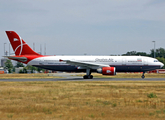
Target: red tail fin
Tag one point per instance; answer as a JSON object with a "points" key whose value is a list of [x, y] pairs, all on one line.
{"points": [[20, 47]]}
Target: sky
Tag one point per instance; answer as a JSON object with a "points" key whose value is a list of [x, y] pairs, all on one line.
{"points": [[78, 27]]}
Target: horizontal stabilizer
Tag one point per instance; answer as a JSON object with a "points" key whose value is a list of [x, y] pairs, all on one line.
{"points": [[22, 59]]}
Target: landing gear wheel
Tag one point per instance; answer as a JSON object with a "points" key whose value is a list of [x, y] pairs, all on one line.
{"points": [[143, 76], [88, 76], [85, 76], [91, 76]]}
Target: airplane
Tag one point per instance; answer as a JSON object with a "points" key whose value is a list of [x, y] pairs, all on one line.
{"points": [[106, 65]]}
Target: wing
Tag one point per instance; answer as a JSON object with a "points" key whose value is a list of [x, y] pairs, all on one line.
{"points": [[84, 65]]}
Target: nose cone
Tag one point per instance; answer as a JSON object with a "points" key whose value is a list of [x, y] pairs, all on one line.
{"points": [[161, 65]]}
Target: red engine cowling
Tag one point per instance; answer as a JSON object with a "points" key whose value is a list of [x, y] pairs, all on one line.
{"points": [[107, 70]]}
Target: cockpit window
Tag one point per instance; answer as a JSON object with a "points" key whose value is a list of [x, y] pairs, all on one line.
{"points": [[156, 61]]}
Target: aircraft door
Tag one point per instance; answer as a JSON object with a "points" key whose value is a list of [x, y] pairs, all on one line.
{"points": [[145, 61], [123, 61]]}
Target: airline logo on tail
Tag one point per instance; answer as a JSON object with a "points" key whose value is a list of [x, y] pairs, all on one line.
{"points": [[21, 45], [15, 39]]}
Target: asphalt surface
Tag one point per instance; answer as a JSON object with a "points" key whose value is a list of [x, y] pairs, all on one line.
{"points": [[81, 79], [74, 77]]}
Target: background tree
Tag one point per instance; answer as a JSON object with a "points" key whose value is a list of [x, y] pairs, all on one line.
{"points": [[131, 53], [24, 70], [13, 69], [32, 68], [19, 64], [160, 52], [9, 65], [40, 70], [142, 54]]}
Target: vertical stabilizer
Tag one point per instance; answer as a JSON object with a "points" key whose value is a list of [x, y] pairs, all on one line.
{"points": [[19, 46]]}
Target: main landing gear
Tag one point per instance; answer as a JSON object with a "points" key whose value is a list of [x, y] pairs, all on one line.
{"points": [[88, 75], [143, 75]]}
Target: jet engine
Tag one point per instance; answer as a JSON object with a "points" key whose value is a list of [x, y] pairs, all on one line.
{"points": [[107, 70]]}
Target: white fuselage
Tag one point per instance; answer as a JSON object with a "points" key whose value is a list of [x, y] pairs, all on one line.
{"points": [[121, 63]]}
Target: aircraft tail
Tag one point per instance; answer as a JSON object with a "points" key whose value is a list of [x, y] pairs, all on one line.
{"points": [[19, 46]]}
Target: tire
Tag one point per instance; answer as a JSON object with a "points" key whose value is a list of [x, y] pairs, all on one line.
{"points": [[143, 76], [88, 76]]}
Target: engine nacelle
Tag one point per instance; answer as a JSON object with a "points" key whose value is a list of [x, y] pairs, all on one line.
{"points": [[107, 70]]}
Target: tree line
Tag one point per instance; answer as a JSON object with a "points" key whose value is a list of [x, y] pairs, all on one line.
{"points": [[9, 66]]}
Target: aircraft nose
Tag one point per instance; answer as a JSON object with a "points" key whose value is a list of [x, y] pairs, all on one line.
{"points": [[161, 65]]}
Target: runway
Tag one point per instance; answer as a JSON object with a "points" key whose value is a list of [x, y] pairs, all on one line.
{"points": [[81, 79]]}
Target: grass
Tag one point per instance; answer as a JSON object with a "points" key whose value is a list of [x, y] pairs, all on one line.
{"points": [[77, 100]]}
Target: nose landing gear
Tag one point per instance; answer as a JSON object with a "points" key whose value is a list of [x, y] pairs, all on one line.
{"points": [[143, 75]]}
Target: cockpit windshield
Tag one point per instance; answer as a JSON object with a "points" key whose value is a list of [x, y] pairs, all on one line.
{"points": [[156, 61]]}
